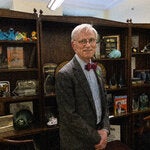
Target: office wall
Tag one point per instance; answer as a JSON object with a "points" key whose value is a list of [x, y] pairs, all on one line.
{"points": [[29, 5]]}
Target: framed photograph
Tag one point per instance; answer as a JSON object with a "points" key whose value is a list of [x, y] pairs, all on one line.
{"points": [[15, 107], [115, 133], [112, 42], [15, 57], [4, 88], [120, 104]]}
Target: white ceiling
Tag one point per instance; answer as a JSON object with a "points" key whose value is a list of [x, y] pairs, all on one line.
{"points": [[89, 4], [92, 4]]}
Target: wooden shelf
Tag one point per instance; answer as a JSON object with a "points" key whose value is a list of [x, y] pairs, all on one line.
{"points": [[26, 132]]}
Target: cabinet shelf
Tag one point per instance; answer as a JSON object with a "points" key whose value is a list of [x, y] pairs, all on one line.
{"points": [[141, 111], [17, 42], [33, 131], [19, 70], [18, 98], [141, 85], [116, 89], [138, 54]]}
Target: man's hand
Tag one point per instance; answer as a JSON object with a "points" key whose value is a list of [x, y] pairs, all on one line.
{"points": [[103, 142]]}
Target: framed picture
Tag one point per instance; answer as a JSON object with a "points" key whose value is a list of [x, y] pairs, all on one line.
{"points": [[112, 42], [15, 107], [4, 88], [15, 57]]}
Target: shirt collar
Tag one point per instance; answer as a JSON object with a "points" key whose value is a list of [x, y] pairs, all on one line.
{"points": [[81, 62]]}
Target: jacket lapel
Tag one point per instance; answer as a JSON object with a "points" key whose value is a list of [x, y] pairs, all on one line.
{"points": [[79, 74]]}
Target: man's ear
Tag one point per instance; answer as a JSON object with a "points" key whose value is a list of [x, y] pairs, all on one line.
{"points": [[73, 46]]}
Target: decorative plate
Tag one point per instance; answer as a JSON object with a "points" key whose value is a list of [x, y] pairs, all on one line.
{"points": [[103, 69], [60, 66]]}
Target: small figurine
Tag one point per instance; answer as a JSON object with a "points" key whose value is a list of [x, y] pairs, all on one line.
{"points": [[114, 54], [11, 34], [3, 35], [19, 36], [34, 35], [25, 38]]}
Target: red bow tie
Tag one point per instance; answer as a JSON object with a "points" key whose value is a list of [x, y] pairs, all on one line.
{"points": [[91, 66]]}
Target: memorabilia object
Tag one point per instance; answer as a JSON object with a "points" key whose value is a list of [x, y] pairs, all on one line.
{"points": [[60, 66], [4, 88], [114, 53], [22, 119], [112, 42], [135, 43], [15, 107], [102, 69], [32, 58], [143, 101], [52, 121], [113, 82], [147, 76], [120, 104], [142, 74], [146, 48], [102, 48], [33, 35], [50, 116], [49, 78], [110, 102], [25, 88], [115, 133], [15, 57], [135, 104]]}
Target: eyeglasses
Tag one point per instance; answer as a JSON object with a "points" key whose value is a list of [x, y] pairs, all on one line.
{"points": [[85, 41]]}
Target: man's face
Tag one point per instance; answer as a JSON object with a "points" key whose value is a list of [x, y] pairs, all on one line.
{"points": [[84, 45]]}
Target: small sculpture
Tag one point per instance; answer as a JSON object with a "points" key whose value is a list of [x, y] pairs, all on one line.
{"points": [[34, 35], [11, 34], [19, 36], [114, 54]]}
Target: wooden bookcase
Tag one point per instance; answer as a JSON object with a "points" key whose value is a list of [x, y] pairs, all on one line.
{"points": [[140, 68], [14, 21], [56, 48]]}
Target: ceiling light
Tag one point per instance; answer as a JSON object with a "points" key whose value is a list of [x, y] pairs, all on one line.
{"points": [[54, 4]]}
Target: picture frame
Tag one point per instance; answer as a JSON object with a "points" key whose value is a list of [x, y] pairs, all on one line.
{"points": [[112, 42], [4, 88], [15, 107], [15, 57]]}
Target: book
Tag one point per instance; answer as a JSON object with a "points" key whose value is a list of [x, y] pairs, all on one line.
{"points": [[15, 57], [120, 104]]}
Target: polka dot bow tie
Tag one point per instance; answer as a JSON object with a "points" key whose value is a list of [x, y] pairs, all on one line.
{"points": [[91, 66]]}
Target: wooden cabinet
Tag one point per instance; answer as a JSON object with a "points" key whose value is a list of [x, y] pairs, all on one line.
{"points": [[140, 79], [55, 37], [24, 69]]}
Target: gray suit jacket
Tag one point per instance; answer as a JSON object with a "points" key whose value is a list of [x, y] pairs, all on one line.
{"points": [[77, 114]]}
